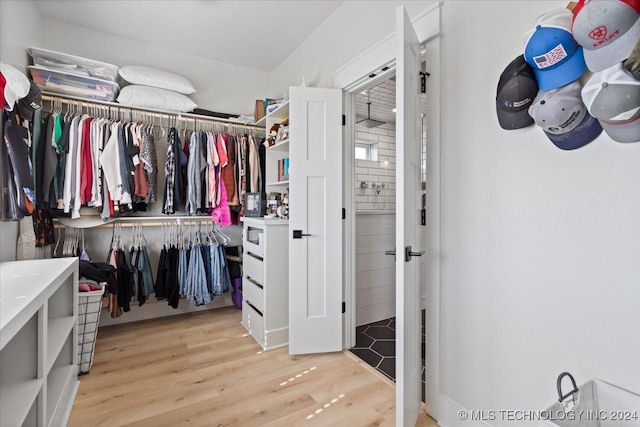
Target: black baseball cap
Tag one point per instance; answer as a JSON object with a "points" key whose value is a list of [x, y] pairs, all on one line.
{"points": [[517, 88], [30, 103]]}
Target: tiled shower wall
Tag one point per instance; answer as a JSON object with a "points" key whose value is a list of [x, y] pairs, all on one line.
{"points": [[381, 171]]}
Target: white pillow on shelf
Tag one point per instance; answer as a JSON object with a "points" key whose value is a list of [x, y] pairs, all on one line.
{"points": [[155, 98], [148, 76]]}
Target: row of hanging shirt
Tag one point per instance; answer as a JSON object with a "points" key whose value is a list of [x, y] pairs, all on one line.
{"points": [[191, 265], [210, 172], [79, 156]]}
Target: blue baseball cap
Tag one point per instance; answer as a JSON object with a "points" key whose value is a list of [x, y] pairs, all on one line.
{"points": [[556, 58]]}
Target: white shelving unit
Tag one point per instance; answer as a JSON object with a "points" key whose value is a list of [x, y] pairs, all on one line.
{"points": [[38, 341], [265, 281], [276, 152]]}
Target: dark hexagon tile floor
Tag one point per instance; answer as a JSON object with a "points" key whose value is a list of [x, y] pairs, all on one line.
{"points": [[376, 345]]}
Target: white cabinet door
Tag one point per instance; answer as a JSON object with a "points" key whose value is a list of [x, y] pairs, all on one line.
{"points": [[315, 216], [408, 315]]}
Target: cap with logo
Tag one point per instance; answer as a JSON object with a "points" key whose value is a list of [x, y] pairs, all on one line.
{"points": [[16, 87], [516, 89], [552, 52], [30, 103], [564, 118], [607, 30], [613, 97]]}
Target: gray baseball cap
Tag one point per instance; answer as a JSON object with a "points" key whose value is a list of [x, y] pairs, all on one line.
{"points": [[607, 30], [564, 118], [613, 97]]}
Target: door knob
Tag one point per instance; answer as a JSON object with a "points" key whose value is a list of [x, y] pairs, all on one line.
{"points": [[298, 234], [391, 252], [408, 253]]}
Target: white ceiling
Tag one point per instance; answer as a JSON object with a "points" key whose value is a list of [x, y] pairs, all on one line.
{"points": [[383, 101], [257, 34]]}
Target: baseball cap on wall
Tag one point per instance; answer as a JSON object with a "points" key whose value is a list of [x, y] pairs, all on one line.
{"points": [[516, 89], [30, 103], [16, 87], [552, 52], [613, 97], [564, 118], [607, 30]]}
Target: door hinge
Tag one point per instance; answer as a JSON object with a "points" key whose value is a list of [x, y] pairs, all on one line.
{"points": [[344, 120], [344, 213], [344, 307], [423, 81]]}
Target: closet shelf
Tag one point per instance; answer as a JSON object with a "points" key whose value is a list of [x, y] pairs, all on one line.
{"points": [[282, 145], [114, 106], [279, 183], [278, 114]]}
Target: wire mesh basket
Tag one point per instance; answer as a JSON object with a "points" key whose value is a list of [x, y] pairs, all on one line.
{"points": [[89, 308]]}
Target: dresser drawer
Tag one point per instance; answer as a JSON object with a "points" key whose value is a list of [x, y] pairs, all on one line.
{"points": [[254, 241], [255, 322], [253, 267], [254, 293]]}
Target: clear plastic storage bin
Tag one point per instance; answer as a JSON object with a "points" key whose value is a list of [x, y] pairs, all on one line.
{"points": [[73, 64], [50, 80]]}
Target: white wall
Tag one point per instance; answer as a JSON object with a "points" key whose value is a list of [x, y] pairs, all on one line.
{"points": [[20, 27], [354, 27], [220, 86], [381, 171], [539, 246], [375, 271]]}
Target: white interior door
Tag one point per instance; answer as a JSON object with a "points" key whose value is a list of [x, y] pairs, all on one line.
{"points": [[408, 241], [315, 220]]}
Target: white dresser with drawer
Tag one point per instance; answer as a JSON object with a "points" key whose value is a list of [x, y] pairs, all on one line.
{"points": [[265, 281]]}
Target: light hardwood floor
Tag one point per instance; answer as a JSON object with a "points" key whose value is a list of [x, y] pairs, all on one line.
{"points": [[202, 369]]}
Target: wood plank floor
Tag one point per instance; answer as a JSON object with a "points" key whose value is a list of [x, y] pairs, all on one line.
{"points": [[202, 369]]}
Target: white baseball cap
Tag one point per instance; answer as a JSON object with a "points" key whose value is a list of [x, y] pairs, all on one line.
{"points": [[17, 86], [613, 97], [564, 118]]}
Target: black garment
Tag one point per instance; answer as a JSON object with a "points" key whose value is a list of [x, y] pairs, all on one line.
{"points": [[43, 227], [125, 281], [62, 158], [49, 165], [247, 168], [100, 272], [262, 155], [18, 145], [173, 294], [160, 286]]}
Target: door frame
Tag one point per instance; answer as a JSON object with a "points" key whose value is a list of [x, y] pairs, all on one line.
{"points": [[366, 70]]}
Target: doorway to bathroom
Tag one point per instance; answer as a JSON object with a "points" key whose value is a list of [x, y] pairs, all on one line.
{"points": [[374, 160]]}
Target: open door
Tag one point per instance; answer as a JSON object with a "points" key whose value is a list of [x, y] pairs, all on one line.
{"points": [[408, 232], [315, 220]]}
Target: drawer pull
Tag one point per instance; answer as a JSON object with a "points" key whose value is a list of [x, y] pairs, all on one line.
{"points": [[255, 256], [254, 282], [252, 306]]}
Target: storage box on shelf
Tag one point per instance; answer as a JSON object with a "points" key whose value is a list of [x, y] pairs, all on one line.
{"points": [[38, 341], [64, 82], [73, 64], [265, 281]]}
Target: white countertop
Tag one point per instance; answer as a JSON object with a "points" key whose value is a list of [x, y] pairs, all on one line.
{"points": [[23, 282]]}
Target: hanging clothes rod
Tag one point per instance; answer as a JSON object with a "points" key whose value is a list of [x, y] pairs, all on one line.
{"points": [[120, 110], [150, 221]]}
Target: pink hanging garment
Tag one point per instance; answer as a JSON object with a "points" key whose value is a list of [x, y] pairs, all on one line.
{"points": [[221, 213]]}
